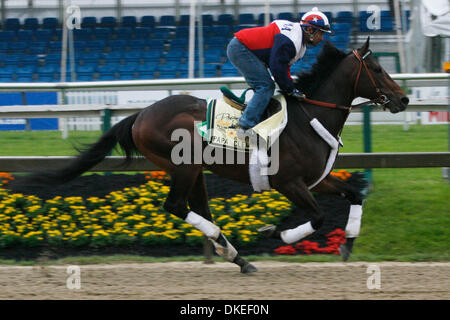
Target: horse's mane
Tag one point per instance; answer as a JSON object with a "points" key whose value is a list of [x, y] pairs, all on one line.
{"points": [[327, 61]]}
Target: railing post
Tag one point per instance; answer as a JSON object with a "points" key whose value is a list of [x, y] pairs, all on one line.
{"points": [[367, 137]]}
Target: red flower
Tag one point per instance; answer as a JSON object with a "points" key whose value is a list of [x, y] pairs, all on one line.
{"points": [[285, 250]]}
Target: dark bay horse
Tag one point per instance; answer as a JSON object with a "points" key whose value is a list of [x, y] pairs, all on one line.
{"points": [[336, 79]]}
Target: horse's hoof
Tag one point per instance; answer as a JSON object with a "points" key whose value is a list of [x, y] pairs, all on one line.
{"points": [[267, 231], [248, 268], [346, 248]]}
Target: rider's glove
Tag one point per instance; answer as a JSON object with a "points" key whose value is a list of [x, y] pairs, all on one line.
{"points": [[297, 94]]}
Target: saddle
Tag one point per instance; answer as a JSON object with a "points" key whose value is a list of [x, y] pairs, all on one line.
{"points": [[222, 117]]}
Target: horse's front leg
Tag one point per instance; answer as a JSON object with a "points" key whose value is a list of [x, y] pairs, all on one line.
{"points": [[298, 193], [198, 203], [333, 185]]}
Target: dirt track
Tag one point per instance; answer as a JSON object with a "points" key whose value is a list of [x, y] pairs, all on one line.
{"points": [[195, 280]]}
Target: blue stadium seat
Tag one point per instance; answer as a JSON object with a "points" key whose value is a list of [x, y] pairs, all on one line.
{"points": [[286, 16], [147, 67], [153, 55], [174, 55], [261, 18], [128, 70], [156, 44], [124, 33], [80, 45], [18, 47], [89, 22], [13, 59], [341, 28], [132, 56], [210, 70], [247, 19], [108, 22], [24, 35], [108, 68], [106, 77], [53, 58], [43, 35], [182, 32], [148, 21], [47, 71], [86, 69], [84, 34], [138, 44], [85, 77], [3, 48], [213, 56], [167, 21], [221, 31], [228, 70], [7, 70], [38, 49], [179, 43], [102, 33], [30, 60], [184, 20], [50, 23], [90, 57], [225, 19], [112, 56], [119, 44], [55, 47], [31, 24], [344, 17], [207, 20], [162, 33], [216, 42], [143, 32], [25, 71], [12, 24], [7, 36], [129, 21]]}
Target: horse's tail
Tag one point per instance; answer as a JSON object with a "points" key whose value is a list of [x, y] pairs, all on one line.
{"points": [[93, 154]]}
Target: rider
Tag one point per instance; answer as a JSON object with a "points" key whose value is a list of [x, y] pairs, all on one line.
{"points": [[276, 46]]}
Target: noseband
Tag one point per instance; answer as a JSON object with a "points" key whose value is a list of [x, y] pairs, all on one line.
{"points": [[382, 99]]}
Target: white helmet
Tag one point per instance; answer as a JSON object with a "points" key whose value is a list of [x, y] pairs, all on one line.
{"points": [[316, 19]]}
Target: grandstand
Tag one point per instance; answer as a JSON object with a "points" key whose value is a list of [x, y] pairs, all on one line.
{"points": [[146, 47]]}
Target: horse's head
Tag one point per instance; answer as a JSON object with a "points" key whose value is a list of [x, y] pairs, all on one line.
{"points": [[373, 82]]}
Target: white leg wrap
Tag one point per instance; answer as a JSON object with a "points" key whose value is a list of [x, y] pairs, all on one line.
{"points": [[354, 221], [207, 227], [293, 235], [228, 253]]}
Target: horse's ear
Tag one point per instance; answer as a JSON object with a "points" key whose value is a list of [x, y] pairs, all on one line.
{"points": [[365, 47]]}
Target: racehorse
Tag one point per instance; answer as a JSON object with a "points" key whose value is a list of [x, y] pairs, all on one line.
{"points": [[331, 86]]}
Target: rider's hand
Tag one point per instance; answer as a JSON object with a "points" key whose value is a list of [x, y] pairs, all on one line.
{"points": [[297, 94]]}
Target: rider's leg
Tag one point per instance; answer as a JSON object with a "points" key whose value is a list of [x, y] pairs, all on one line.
{"points": [[258, 78]]}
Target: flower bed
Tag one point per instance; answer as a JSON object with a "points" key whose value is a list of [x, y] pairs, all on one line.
{"points": [[132, 215]]}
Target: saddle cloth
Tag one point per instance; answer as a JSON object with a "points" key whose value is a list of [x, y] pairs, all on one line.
{"points": [[221, 124]]}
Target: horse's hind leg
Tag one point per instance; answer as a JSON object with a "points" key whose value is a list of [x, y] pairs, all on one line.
{"points": [[333, 185], [188, 185]]}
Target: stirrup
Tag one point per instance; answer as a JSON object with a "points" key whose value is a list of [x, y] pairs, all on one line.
{"points": [[233, 100]]}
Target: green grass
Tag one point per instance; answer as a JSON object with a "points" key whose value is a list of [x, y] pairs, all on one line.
{"points": [[406, 214]]}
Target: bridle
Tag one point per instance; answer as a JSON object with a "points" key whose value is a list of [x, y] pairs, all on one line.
{"points": [[382, 99]]}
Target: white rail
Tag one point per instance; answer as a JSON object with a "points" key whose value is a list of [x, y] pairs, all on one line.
{"points": [[192, 84]]}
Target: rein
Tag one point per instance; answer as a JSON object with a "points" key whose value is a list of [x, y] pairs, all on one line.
{"points": [[381, 100]]}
